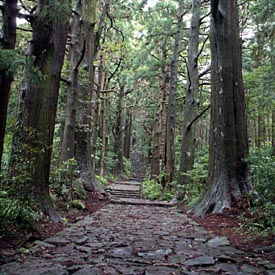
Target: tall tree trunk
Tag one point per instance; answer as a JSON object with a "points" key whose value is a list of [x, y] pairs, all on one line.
{"points": [[273, 132], [128, 132], [159, 136], [86, 135], [67, 150], [119, 133], [190, 110], [33, 142], [7, 42], [83, 150], [228, 178], [171, 117]]}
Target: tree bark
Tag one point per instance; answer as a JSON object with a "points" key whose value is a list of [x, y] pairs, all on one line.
{"points": [[7, 42], [68, 141], [159, 137], [273, 132], [228, 179], [190, 109], [33, 142], [171, 112], [119, 133], [83, 149], [128, 132]]}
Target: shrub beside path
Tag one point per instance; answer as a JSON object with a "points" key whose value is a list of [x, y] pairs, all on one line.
{"points": [[136, 238]]}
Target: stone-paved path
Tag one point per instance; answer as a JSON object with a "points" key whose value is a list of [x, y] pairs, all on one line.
{"points": [[137, 240]]}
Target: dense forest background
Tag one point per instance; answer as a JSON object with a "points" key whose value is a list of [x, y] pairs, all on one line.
{"points": [[90, 87]]}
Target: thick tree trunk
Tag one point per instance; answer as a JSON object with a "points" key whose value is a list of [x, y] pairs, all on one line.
{"points": [[83, 149], [190, 110], [7, 42], [33, 142], [228, 134], [67, 150]]}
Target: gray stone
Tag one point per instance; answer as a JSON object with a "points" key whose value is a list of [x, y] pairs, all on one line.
{"points": [[252, 269], [89, 271], [227, 267], [200, 261], [270, 266], [269, 272], [218, 241], [58, 240], [58, 271], [82, 240], [43, 244]]}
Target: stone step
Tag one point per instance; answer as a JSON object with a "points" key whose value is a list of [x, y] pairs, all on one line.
{"points": [[141, 202]]}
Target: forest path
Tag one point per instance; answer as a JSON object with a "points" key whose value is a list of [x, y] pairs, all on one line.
{"points": [[129, 192], [136, 240]]}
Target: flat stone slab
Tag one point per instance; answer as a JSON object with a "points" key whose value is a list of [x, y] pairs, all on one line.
{"points": [[200, 261], [218, 241], [124, 187], [129, 201]]}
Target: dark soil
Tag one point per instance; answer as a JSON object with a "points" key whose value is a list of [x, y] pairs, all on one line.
{"points": [[229, 224]]}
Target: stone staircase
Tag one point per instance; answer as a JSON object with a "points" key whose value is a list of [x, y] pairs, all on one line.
{"points": [[125, 189], [129, 192]]}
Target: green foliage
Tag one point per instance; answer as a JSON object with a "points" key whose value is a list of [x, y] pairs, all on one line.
{"points": [[61, 179], [57, 11], [32, 73], [10, 61], [127, 166], [103, 181], [110, 156], [262, 166], [78, 204], [15, 214], [198, 177], [151, 189]]}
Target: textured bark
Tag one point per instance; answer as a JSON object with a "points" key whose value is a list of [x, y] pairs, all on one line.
{"points": [[190, 109], [119, 133], [87, 122], [104, 135], [228, 134], [67, 150], [33, 142], [171, 111], [7, 42], [128, 137], [104, 117], [159, 136], [96, 91], [83, 149], [273, 133]]}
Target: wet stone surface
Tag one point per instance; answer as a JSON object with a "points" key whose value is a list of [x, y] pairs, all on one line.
{"points": [[137, 240]]}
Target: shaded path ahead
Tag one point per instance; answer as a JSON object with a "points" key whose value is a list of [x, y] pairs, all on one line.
{"points": [[136, 240]]}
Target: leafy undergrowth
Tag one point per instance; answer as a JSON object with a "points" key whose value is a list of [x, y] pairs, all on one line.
{"points": [[45, 228]]}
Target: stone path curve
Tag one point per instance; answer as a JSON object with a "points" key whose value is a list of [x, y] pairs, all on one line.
{"points": [[136, 239]]}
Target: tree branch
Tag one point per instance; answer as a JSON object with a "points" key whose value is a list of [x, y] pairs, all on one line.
{"points": [[188, 127], [205, 71], [81, 57]]}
